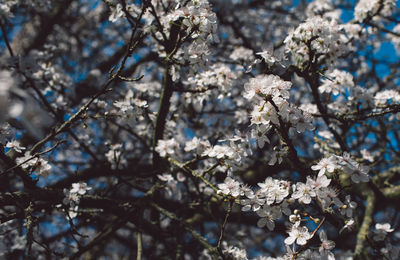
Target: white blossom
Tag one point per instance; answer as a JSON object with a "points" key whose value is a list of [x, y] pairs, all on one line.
{"points": [[298, 234], [14, 144], [381, 231], [229, 187], [166, 147], [326, 246], [325, 165], [268, 215], [304, 193], [347, 207], [80, 188], [349, 225], [116, 12], [365, 8]]}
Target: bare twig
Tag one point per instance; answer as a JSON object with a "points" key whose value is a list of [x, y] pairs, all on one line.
{"points": [[221, 236]]}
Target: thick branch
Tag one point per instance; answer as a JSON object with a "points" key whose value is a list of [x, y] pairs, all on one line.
{"points": [[359, 251]]}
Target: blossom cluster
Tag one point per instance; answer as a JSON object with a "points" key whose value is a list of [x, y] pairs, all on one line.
{"points": [[270, 95], [219, 75], [357, 171], [130, 106], [314, 39], [118, 12], [197, 23], [369, 8], [230, 119], [336, 81], [5, 8], [274, 198], [34, 164]]}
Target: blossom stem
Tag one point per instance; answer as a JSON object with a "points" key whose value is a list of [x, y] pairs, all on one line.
{"points": [[312, 235]]}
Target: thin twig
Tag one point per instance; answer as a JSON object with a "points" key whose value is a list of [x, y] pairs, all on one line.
{"points": [[3, 31], [193, 173], [312, 235], [221, 236], [188, 228]]}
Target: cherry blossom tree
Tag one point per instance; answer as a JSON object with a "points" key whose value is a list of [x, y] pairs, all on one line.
{"points": [[199, 129]]}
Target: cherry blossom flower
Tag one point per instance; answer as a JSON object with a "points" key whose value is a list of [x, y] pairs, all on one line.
{"points": [[172, 187], [298, 234], [357, 172], [304, 122], [116, 13], [5, 8], [276, 194], [73, 196], [253, 202], [229, 187], [295, 219], [166, 147], [381, 231], [242, 53], [73, 211], [114, 156], [367, 155], [273, 190], [347, 207], [319, 183], [326, 246], [268, 215], [14, 144], [309, 255], [349, 225], [327, 196], [79, 188], [197, 145], [325, 165], [267, 56], [260, 134], [219, 75], [304, 193], [290, 252], [125, 106]]}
